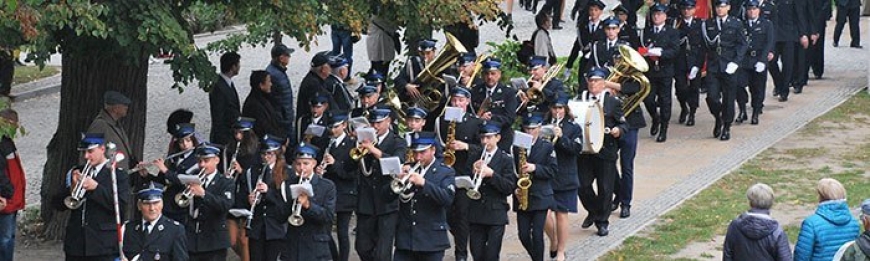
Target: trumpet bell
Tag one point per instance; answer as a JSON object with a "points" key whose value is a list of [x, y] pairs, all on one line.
{"points": [[473, 194], [397, 186], [181, 200], [72, 203], [296, 220], [535, 96], [406, 197], [357, 153]]}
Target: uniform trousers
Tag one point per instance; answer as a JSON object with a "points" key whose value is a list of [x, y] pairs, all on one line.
{"points": [[374, 236], [802, 65], [342, 222], [91, 258], [530, 230], [625, 183], [265, 250], [485, 241], [687, 90], [720, 95], [603, 173], [458, 221], [554, 8], [757, 82], [816, 53], [853, 14], [408, 255], [784, 52], [658, 102], [216, 255]]}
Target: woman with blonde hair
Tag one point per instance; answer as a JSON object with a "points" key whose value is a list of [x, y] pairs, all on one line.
{"points": [[831, 226]]}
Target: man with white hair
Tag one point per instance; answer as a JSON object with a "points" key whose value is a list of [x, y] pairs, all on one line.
{"points": [[755, 235]]}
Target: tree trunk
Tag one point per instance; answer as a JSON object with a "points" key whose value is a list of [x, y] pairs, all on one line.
{"points": [[86, 75]]}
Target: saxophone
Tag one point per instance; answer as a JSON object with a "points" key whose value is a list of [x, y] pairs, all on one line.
{"points": [[525, 181], [449, 154]]}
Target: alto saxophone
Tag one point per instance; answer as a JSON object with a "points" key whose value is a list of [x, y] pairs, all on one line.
{"points": [[524, 183], [449, 154]]}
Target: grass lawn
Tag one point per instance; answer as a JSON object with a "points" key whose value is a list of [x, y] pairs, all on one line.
{"points": [[792, 172], [25, 74]]}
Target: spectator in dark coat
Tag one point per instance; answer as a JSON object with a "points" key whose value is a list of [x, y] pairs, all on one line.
{"points": [[223, 99], [257, 106], [281, 95], [755, 235]]}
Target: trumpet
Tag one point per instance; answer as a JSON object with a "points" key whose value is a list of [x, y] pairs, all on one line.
{"points": [[77, 194], [358, 152], [474, 193], [183, 199], [257, 195], [169, 157], [401, 185], [230, 172], [449, 154], [296, 218], [323, 162], [524, 183]]}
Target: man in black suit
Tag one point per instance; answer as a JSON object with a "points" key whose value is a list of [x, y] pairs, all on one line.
{"points": [[791, 26], [661, 43], [687, 70], [818, 13], [223, 99], [627, 28], [344, 173], [310, 240], [725, 39], [589, 31], [565, 182], [495, 102], [421, 233], [496, 170], [207, 217], [91, 233], [154, 237], [850, 9], [258, 186], [314, 83], [601, 167], [760, 41], [377, 213], [540, 166]]}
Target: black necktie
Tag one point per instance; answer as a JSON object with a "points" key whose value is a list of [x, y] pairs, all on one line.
{"points": [[146, 226]]}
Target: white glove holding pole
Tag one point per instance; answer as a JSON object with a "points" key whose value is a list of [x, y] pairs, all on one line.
{"points": [[693, 73], [759, 67], [655, 51], [731, 68]]}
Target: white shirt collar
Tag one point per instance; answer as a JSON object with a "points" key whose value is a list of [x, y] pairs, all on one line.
{"points": [[99, 167], [381, 138], [209, 178], [228, 79], [151, 224], [339, 139]]}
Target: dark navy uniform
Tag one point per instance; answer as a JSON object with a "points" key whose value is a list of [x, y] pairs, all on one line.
{"points": [[206, 222], [344, 173], [502, 103], [185, 164], [819, 12], [552, 91], [304, 121], [160, 239], [661, 73], [790, 23], [408, 75], [310, 241], [490, 211], [588, 32], [267, 224], [565, 182], [530, 222], [726, 47], [761, 39], [421, 233], [627, 145], [687, 67], [603, 52]]}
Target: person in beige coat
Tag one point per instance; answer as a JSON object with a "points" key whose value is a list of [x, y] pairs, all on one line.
{"points": [[107, 122]]}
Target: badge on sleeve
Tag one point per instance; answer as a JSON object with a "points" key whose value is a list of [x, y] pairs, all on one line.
{"points": [[229, 194]]}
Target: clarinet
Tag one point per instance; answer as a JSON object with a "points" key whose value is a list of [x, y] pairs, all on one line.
{"points": [[257, 196]]}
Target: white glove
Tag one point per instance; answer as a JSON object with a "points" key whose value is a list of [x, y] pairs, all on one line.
{"points": [[655, 51], [759, 67], [693, 73], [566, 74], [731, 68]]}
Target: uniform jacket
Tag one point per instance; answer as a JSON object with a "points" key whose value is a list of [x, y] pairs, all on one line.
{"points": [[375, 196], [208, 231], [223, 100], [541, 191], [311, 240], [413, 66], [114, 133], [669, 40], [823, 232], [503, 105], [551, 91], [584, 40], [166, 241], [601, 55], [691, 45], [628, 33], [281, 98], [466, 131], [756, 236], [267, 222], [790, 20], [635, 119], [492, 207], [760, 39], [613, 118], [344, 173], [567, 149], [303, 123], [422, 222], [729, 47], [180, 165], [91, 229], [269, 118], [860, 250], [311, 85]]}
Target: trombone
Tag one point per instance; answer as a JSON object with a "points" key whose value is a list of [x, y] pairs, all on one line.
{"points": [[76, 197], [183, 199], [536, 96], [474, 192]]}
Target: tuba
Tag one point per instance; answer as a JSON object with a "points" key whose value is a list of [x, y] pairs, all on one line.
{"points": [[428, 77], [632, 65]]}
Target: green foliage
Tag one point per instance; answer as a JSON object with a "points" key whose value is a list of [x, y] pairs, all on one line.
{"points": [[203, 17], [8, 128], [510, 64]]}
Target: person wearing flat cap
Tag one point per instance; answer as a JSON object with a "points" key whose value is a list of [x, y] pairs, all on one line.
{"points": [[407, 85], [314, 83], [692, 48], [281, 92], [725, 40], [344, 173], [223, 100], [859, 249], [108, 122], [258, 186], [206, 219], [492, 101], [659, 46], [91, 233], [154, 236], [337, 83], [541, 166], [377, 214], [421, 232], [309, 241]]}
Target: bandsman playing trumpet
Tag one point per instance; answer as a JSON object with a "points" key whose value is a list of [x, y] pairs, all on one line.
{"points": [[566, 143], [497, 178], [339, 168], [258, 188], [422, 226], [377, 214], [155, 236], [207, 235], [309, 239], [541, 165], [91, 233], [494, 102], [543, 86]]}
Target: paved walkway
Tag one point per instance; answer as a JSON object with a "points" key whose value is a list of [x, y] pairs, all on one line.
{"points": [[666, 175]]}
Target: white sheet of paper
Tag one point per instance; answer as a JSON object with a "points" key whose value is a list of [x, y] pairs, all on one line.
{"points": [[450, 80], [359, 122], [523, 140], [366, 134], [187, 179], [391, 165], [408, 139], [296, 189], [464, 182], [238, 212], [519, 83], [316, 130], [453, 114]]}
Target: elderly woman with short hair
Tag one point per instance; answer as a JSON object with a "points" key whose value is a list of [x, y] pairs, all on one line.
{"points": [[823, 232], [755, 235]]}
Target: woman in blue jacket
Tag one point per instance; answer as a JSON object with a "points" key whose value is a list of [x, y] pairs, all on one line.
{"points": [[823, 232]]}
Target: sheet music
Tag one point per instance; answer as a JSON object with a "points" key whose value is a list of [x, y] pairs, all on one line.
{"points": [[391, 166], [359, 122], [523, 140], [316, 130], [367, 134], [453, 114], [297, 189], [187, 179]]}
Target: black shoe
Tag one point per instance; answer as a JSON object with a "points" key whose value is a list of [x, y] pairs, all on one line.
{"points": [[654, 128], [741, 116], [726, 133], [690, 121], [587, 222], [836, 44], [553, 254], [702, 90], [459, 258], [663, 134], [557, 27], [783, 99], [625, 212], [775, 94], [798, 89], [857, 46], [754, 120], [717, 128], [602, 230], [683, 114], [614, 206]]}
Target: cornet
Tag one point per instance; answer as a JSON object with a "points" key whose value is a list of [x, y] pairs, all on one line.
{"points": [[76, 197], [403, 187], [183, 199], [474, 193], [358, 152]]}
